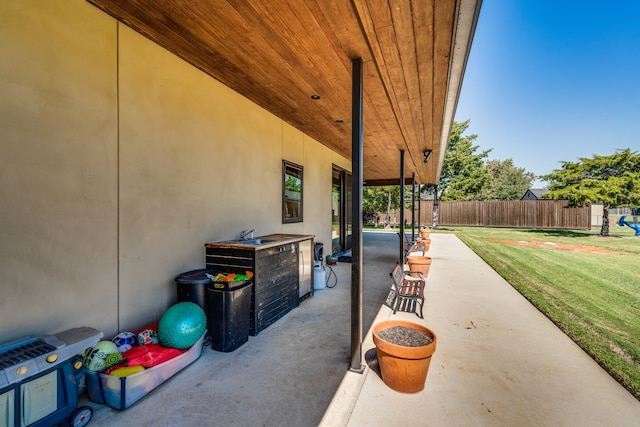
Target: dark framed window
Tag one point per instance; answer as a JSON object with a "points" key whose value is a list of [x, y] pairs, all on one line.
{"points": [[291, 192]]}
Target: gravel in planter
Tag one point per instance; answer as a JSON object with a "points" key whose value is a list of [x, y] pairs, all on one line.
{"points": [[405, 336]]}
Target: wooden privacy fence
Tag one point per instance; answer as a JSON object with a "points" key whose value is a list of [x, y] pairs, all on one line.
{"points": [[515, 214]]}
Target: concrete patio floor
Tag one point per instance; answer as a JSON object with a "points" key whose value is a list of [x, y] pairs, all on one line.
{"points": [[498, 362]]}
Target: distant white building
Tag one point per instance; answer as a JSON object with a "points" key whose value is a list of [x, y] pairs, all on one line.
{"points": [[597, 212]]}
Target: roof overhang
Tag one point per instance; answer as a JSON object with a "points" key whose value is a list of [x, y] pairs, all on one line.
{"points": [[281, 53]]}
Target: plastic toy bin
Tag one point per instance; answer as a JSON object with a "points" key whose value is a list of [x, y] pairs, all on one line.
{"points": [[122, 392]]}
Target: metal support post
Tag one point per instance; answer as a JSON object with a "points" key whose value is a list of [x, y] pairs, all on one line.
{"points": [[413, 207], [401, 207], [357, 144]]}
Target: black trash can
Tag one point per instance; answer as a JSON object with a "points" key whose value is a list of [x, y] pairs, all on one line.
{"points": [[192, 286], [228, 315]]}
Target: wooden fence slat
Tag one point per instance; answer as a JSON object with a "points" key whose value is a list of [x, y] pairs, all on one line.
{"points": [[551, 214]]}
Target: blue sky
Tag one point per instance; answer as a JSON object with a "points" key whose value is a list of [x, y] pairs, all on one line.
{"points": [[553, 80]]}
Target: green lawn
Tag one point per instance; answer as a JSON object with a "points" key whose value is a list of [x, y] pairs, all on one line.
{"points": [[593, 297]]}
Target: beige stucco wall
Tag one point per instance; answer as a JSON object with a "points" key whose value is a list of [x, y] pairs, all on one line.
{"points": [[118, 161]]}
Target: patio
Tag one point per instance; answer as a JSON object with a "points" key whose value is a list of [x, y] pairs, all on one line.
{"points": [[498, 362]]}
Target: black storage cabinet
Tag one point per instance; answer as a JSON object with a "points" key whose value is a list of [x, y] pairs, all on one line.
{"points": [[275, 279], [228, 314]]}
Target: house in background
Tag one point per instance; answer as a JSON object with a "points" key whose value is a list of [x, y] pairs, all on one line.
{"points": [[132, 133], [534, 194]]}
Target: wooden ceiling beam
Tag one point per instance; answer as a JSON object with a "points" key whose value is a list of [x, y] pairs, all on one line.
{"points": [[386, 182]]}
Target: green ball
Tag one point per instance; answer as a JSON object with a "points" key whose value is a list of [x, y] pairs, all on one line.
{"points": [[96, 357], [182, 325]]}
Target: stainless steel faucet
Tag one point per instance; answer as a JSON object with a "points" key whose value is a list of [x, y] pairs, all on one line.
{"points": [[243, 235]]}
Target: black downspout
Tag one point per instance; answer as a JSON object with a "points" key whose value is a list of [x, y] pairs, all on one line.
{"points": [[356, 217], [401, 207]]}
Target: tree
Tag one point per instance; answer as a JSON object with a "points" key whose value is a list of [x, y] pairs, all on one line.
{"points": [[380, 199], [506, 182], [612, 180], [464, 173], [376, 200]]}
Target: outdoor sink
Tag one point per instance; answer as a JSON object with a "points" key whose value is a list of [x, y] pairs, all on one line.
{"points": [[253, 241]]}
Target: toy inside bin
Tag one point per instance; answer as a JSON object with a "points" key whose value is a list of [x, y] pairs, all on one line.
{"points": [[122, 392]]}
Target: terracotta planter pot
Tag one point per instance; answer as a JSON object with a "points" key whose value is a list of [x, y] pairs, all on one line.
{"points": [[427, 243], [425, 233], [419, 264], [403, 368]]}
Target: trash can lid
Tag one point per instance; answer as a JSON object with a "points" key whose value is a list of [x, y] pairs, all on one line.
{"points": [[196, 277]]}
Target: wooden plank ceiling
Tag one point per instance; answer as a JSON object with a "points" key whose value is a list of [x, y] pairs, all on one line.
{"points": [[279, 53]]}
